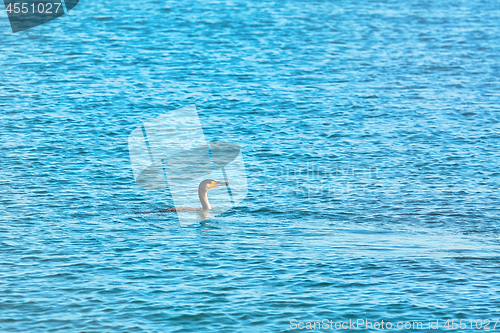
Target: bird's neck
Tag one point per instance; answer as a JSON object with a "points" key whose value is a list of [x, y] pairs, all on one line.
{"points": [[204, 199]]}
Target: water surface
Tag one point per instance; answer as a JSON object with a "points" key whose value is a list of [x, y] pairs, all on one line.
{"points": [[370, 132]]}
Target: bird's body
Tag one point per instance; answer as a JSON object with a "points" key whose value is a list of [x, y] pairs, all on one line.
{"points": [[181, 210], [202, 194]]}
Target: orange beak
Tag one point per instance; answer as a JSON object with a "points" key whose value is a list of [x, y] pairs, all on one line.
{"points": [[217, 184]]}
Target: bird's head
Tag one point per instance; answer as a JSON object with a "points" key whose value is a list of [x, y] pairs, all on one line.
{"points": [[209, 183]]}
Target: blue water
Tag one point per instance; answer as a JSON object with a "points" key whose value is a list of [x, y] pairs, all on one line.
{"points": [[370, 132]]}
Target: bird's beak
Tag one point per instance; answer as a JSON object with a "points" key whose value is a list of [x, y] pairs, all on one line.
{"points": [[217, 184]]}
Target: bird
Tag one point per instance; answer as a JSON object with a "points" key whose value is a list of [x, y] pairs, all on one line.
{"points": [[203, 188]]}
